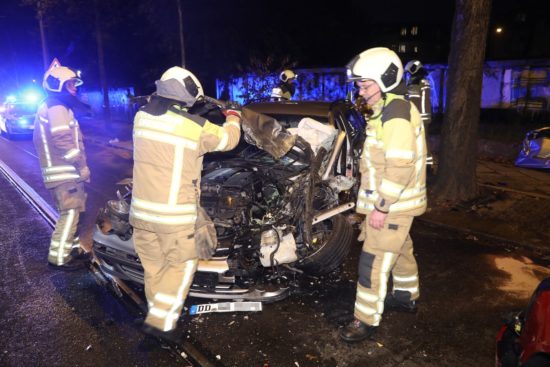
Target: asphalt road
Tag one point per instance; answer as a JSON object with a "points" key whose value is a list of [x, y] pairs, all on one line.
{"points": [[65, 319]]}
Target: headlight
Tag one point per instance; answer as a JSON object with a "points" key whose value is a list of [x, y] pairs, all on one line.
{"points": [[23, 122], [269, 238]]}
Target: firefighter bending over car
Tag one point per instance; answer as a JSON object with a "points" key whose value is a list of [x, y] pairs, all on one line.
{"points": [[392, 192], [58, 142], [169, 144]]}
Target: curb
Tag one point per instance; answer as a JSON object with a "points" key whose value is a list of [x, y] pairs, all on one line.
{"points": [[487, 236]]}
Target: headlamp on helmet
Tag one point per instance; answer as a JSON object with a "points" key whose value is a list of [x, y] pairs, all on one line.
{"points": [[287, 75]]}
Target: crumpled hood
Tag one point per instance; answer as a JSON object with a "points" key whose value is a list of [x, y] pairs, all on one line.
{"points": [[266, 133]]}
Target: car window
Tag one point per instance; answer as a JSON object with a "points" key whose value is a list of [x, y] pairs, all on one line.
{"points": [[288, 121]]}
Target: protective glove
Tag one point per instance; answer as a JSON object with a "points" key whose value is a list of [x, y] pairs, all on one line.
{"points": [[84, 173], [206, 239], [232, 112], [363, 231]]}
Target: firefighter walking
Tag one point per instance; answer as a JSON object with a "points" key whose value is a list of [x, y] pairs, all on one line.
{"points": [[392, 192], [58, 142], [169, 143]]}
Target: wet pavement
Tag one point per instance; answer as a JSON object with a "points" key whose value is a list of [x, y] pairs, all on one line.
{"points": [[469, 277]]}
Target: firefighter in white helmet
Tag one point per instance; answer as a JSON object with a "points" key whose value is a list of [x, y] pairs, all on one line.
{"points": [[392, 192], [169, 145], [287, 86], [58, 142]]}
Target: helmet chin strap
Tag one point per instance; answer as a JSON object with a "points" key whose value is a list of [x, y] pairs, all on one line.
{"points": [[384, 98]]}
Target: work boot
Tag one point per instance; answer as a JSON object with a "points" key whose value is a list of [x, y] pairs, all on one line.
{"points": [[172, 336], [78, 253], [71, 265], [356, 331], [393, 304]]}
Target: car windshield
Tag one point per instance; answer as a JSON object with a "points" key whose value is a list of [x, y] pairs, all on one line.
{"points": [[21, 108]]}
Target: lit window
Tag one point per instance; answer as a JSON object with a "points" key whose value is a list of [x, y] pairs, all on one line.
{"points": [[402, 48], [414, 30], [403, 31], [416, 49]]}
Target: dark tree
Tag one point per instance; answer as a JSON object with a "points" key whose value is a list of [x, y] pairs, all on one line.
{"points": [[456, 176]]}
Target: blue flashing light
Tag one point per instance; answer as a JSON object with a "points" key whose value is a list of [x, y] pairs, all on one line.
{"points": [[32, 96], [23, 122]]}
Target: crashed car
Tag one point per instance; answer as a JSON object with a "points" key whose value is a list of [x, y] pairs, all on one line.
{"points": [[535, 150], [524, 340], [277, 203], [17, 118]]}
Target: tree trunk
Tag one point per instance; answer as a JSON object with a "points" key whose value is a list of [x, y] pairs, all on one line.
{"points": [[45, 56], [456, 174], [101, 64], [182, 44]]}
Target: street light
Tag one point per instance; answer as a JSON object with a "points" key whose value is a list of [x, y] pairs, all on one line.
{"points": [[498, 30]]}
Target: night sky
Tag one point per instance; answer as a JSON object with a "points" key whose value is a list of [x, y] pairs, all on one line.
{"points": [[221, 37]]}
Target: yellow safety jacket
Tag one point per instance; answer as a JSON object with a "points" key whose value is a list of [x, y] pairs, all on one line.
{"points": [[393, 161], [58, 142], [168, 153]]}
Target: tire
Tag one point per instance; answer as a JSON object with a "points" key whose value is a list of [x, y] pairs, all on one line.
{"points": [[329, 255], [538, 360]]}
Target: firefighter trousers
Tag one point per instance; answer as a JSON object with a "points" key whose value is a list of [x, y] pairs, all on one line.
{"points": [[70, 200], [169, 261], [387, 251]]}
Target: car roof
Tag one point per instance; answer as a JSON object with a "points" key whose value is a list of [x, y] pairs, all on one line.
{"points": [[299, 108]]}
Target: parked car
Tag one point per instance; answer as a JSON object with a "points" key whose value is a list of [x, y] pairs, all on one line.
{"points": [[535, 150], [524, 341], [17, 118], [277, 210]]}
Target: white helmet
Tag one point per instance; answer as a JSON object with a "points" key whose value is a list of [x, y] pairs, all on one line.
{"points": [[286, 75], [379, 64], [56, 76], [181, 85], [413, 66]]}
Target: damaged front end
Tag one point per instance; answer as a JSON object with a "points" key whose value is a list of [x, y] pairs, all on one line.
{"points": [[277, 206]]}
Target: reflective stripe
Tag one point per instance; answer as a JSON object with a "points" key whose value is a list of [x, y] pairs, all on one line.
{"points": [[411, 290], [157, 312], [65, 234], [163, 219], [165, 138], [391, 188], [165, 298], [58, 169], [176, 175], [403, 154], [367, 296], [59, 128], [233, 123], [365, 309], [188, 273], [43, 119], [61, 177], [45, 145], [405, 279], [158, 124], [163, 208], [395, 207], [72, 153], [223, 142]]}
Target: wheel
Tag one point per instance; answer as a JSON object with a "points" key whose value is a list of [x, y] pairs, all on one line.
{"points": [[331, 239]]}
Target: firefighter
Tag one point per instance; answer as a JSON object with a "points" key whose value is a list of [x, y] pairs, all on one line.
{"points": [[287, 86], [58, 141], [169, 144], [419, 93], [392, 192]]}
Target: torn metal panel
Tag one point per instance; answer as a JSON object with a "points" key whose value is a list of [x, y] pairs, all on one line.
{"points": [[266, 133]]}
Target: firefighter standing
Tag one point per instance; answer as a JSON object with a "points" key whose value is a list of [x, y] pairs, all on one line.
{"points": [[419, 93], [169, 144], [287, 86], [58, 142], [392, 192]]}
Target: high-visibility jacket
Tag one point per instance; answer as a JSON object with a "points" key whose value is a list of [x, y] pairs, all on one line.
{"points": [[419, 92], [168, 153], [58, 142], [393, 160]]}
